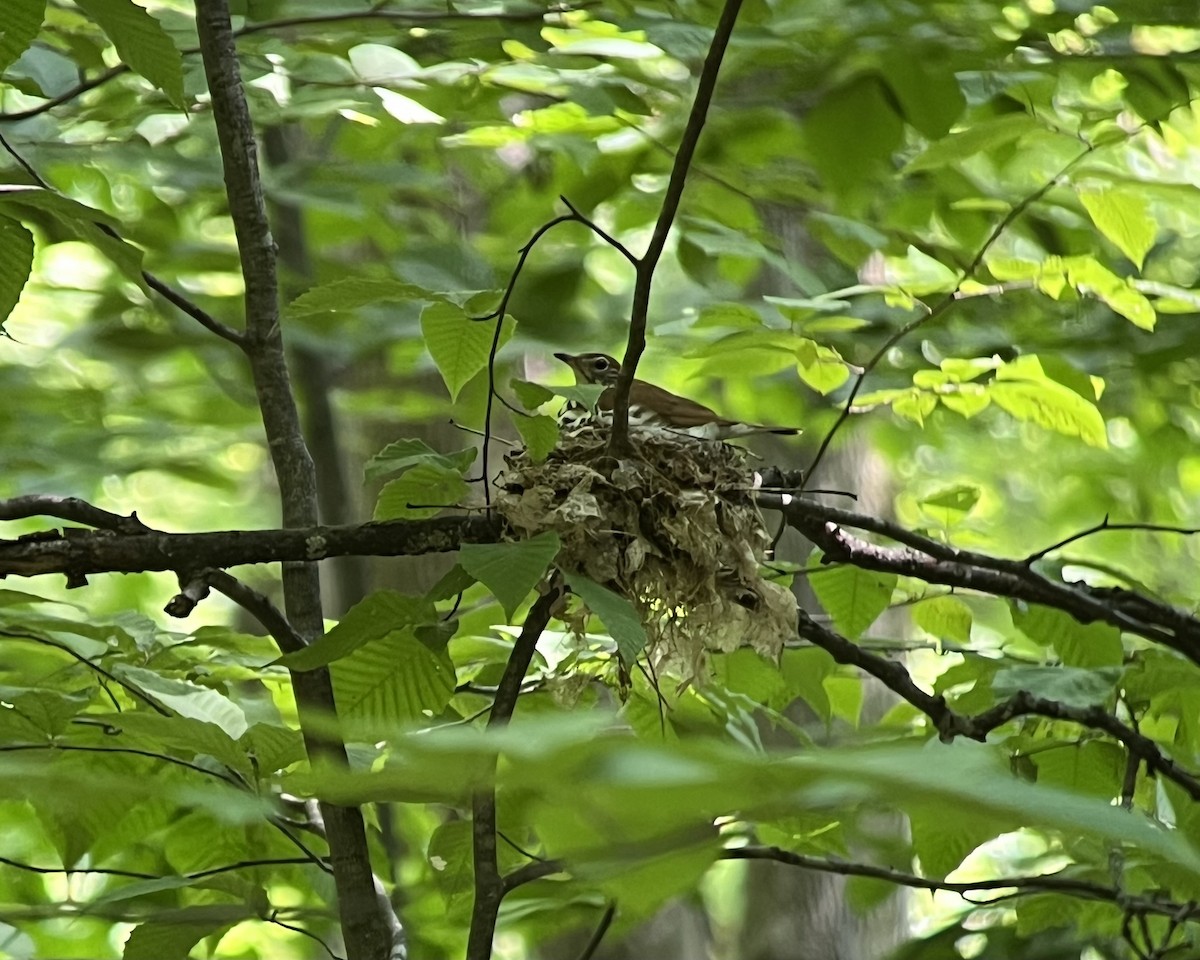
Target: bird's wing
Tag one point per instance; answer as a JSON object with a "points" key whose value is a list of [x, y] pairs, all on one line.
{"points": [[684, 412]]}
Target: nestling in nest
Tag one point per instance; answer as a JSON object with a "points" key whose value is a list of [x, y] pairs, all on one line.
{"points": [[673, 529]]}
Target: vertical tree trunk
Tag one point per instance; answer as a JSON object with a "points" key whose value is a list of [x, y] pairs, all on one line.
{"points": [[367, 934]]}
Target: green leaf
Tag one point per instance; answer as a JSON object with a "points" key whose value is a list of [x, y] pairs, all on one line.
{"points": [[1123, 216], [391, 681], [531, 395], [401, 455], [20, 196], [377, 615], [1072, 686], [586, 394], [351, 293], [1089, 277], [804, 671], [16, 260], [420, 492], [21, 23], [80, 220], [620, 617], [973, 776], [583, 42], [187, 699], [172, 935], [947, 618], [540, 435], [950, 505], [1077, 644], [141, 43], [853, 597], [852, 131], [943, 837], [821, 367], [1052, 406], [1092, 768], [977, 138], [510, 570], [460, 346], [728, 315], [453, 582], [927, 90], [180, 736]]}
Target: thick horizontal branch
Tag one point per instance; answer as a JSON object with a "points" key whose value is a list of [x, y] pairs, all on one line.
{"points": [[950, 724], [78, 553], [935, 562]]}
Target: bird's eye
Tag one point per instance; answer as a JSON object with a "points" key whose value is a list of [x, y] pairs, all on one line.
{"points": [[601, 363]]}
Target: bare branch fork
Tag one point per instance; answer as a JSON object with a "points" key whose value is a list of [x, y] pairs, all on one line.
{"points": [[645, 265]]}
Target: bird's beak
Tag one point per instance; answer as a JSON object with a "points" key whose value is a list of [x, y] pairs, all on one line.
{"points": [[572, 362]]}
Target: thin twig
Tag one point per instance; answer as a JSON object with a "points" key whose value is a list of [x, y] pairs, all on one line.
{"points": [[606, 919], [947, 301], [646, 265], [1104, 526], [375, 13]]}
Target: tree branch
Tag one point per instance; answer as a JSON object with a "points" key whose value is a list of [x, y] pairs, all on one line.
{"points": [[1049, 883], [950, 724], [367, 933], [648, 262], [944, 304], [79, 553], [490, 887], [935, 562]]}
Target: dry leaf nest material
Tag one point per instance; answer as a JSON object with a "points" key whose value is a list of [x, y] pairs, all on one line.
{"points": [[674, 529]]}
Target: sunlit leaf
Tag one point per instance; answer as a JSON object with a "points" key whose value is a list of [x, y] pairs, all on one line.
{"points": [[1123, 216], [945, 617], [350, 293], [1050, 405], [950, 505], [188, 699]]}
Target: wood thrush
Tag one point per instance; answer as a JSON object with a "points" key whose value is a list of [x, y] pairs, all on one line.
{"points": [[656, 408]]}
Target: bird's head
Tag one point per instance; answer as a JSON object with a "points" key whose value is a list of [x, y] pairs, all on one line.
{"points": [[592, 367]]}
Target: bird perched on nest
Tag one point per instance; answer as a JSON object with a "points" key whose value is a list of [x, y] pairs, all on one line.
{"points": [[656, 408]]}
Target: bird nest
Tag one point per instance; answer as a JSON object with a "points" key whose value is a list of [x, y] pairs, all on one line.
{"points": [[674, 529]]}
